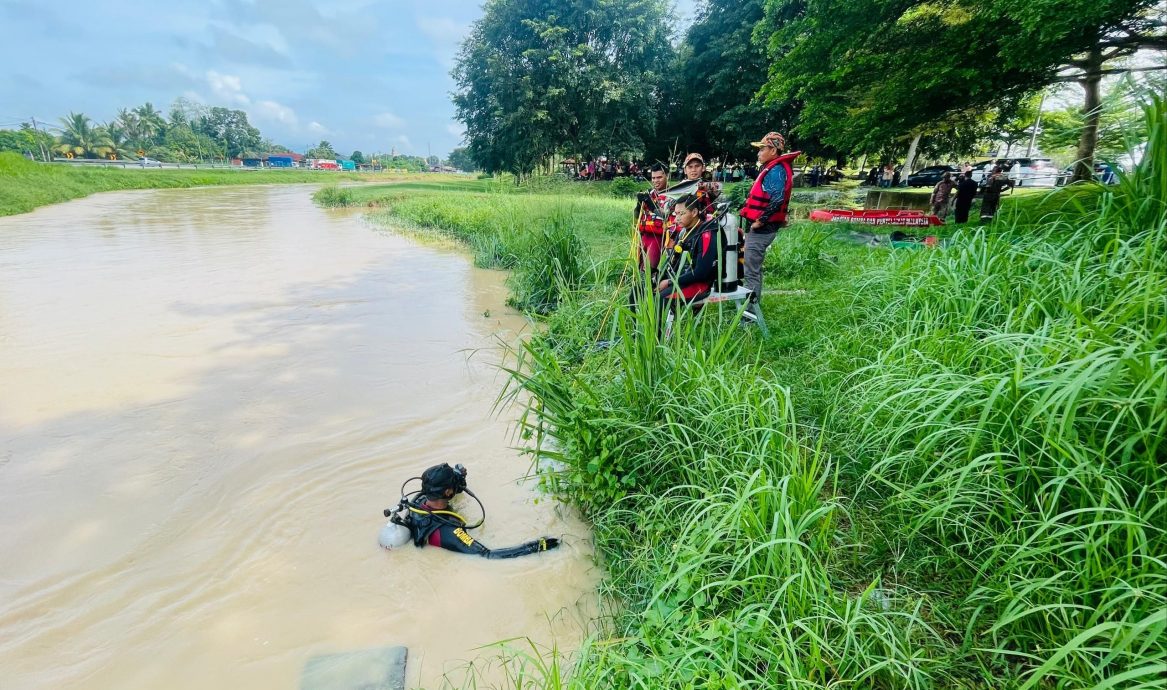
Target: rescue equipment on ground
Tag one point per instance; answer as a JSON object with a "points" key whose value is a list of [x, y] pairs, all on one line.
{"points": [[903, 218]]}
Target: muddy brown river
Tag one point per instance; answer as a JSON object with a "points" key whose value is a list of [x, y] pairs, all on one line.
{"points": [[206, 399]]}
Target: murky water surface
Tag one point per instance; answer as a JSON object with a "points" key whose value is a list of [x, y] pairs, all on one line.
{"points": [[206, 399]]}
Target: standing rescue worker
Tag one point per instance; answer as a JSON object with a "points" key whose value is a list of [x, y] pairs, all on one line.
{"points": [[966, 191], [707, 192], [651, 209], [766, 205]]}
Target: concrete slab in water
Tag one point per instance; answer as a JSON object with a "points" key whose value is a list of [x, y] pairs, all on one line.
{"points": [[382, 668]]}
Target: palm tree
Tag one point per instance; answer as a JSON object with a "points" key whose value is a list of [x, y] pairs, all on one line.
{"points": [[120, 140], [80, 138], [150, 122]]}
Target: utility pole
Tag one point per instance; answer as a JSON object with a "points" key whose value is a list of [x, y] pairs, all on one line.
{"points": [[1036, 125], [39, 143]]}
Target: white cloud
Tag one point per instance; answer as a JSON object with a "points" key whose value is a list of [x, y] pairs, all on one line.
{"points": [[275, 111], [317, 128], [405, 142], [456, 129], [445, 34], [389, 121], [227, 87]]}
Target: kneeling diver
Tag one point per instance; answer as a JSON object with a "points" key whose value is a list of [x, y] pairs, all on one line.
{"points": [[424, 517]]}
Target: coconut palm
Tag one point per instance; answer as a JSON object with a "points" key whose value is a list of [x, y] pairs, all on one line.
{"points": [[120, 141], [80, 138], [151, 124]]}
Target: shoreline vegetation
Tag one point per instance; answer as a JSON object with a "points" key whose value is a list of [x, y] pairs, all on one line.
{"points": [[944, 468], [27, 185]]}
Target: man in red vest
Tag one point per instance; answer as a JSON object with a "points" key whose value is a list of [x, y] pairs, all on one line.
{"points": [[766, 206], [650, 220]]}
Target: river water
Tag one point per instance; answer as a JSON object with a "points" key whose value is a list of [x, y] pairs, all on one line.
{"points": [[206, 399]]}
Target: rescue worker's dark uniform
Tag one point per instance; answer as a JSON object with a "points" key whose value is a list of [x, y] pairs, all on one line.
{"points": [[966, 191], [693, 264], [446, 529]]}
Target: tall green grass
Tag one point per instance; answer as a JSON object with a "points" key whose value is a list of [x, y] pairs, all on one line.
{"points": [[982, 503], [1013, 432], [716, 519]]}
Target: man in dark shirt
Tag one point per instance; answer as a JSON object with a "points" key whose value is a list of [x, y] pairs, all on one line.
{"points": [[966, 191]]}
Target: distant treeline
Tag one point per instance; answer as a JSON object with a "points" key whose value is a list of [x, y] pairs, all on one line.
{"points": [[189, 133]]}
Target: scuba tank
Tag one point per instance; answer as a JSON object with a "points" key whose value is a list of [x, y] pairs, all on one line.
{"points": [[394, 535], [731, 233]]}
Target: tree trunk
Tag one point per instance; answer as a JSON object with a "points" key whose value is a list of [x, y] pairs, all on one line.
{"points": [[909, 161], [1091, 112]]}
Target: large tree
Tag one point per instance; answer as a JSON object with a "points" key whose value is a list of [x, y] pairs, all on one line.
{"points": [[461, 159], [80, 137], [720, 67], [230, 128], [540, 77], [870, 70]]}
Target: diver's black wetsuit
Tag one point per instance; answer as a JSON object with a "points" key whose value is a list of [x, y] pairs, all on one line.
{"points": [[445, 528]]}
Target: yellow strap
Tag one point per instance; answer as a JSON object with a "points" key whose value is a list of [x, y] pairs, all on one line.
{"points": [[419, 511]]}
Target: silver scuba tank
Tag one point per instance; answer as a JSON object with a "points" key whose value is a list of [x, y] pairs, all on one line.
{"points": [[394, 536], [730, 232]]}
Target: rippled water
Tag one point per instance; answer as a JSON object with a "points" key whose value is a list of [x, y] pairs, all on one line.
{"points": [[206, 399]]}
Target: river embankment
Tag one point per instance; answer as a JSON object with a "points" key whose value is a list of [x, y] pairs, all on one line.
{"points": [[26, 185], [941, 469]]}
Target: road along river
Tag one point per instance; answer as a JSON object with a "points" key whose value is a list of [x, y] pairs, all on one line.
{"points": [[206, 399]]}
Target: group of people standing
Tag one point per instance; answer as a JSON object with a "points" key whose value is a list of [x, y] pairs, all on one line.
{"points": [[960, 192], [678, 245]]}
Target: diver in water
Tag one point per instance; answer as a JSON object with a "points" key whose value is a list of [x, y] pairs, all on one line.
{"points": [[424, 517]]}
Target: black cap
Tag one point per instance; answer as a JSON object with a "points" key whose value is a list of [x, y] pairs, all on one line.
{"points": [[436, 480]]}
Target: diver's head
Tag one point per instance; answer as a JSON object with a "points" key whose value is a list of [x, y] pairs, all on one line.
{"points": [[442, 482]]}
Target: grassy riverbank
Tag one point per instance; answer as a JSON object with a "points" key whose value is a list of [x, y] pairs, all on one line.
{"points": [[26, 185], [944, 468]]}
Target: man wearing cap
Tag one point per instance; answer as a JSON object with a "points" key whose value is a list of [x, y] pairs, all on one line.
{"points": [[707, 192], [766, 206]]}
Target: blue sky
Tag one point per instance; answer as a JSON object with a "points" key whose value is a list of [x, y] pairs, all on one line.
{"points": [[363, 74]]}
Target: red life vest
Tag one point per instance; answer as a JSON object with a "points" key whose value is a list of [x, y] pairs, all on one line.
{"points": [[759, 199], [652, 223]]}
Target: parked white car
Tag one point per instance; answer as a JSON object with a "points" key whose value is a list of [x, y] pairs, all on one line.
{"points": [[1024, 172]]}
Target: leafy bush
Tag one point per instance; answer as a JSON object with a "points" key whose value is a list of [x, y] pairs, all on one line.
{"points": [[625, 187], [333, 196]]}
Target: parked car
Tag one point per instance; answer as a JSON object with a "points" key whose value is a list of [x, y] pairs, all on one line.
{"points": [[1024, 172], [1103, 172], [929, 176]]}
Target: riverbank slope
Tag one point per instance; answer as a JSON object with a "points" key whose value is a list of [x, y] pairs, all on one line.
{"points": [[26, 185], [941, 469]]}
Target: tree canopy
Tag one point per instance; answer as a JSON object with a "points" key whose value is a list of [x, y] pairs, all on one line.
{"points": [[540, 77]]}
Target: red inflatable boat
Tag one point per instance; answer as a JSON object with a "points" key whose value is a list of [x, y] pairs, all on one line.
{"points": [[912, 219]]}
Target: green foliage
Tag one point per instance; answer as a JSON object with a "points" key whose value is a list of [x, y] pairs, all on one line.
{"points": [[625, 187], [536, 77], [323, 150], [229, 127], [80, 138], [720, 65], [974, 500], [1120, 125], [868, 72], [25, 140], [461, 159], [333, 196]]}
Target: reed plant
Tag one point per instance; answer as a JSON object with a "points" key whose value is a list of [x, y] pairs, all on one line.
{"points": [[1014, 434]]}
